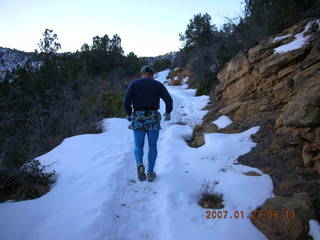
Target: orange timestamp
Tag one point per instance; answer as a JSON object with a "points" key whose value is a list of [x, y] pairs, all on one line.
{"points": [[256, 214]]}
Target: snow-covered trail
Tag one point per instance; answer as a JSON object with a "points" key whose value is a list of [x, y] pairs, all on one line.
{"points": [[97, 196]]}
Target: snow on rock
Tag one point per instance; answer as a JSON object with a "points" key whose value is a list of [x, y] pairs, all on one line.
{"points": [[222, 122], [12, 58], [97, 195], [299, 42], [277, 39], [185, 80], [314, 231]]}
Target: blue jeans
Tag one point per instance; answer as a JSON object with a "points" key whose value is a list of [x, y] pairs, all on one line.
{"points": [[139, 137]]}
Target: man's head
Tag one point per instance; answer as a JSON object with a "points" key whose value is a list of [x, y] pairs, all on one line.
{"points": [[146, 71]]}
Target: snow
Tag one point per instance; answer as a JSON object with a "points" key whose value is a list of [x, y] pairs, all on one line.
{"points": [[222, 122], [162, 76], [300, 40], [314, 231], [277, 39], [97, 196], [185, 80], [11, 58]]}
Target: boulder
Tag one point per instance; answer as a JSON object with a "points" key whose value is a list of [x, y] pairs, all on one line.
{"points": [[293, 218], [197, 138], [180, 75]]}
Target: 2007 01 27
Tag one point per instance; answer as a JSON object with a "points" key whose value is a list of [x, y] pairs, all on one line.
{"points": [[213, 214]]}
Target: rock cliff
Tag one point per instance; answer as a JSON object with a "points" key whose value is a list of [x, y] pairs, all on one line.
{"points": [[276, 85], [280, 76]]}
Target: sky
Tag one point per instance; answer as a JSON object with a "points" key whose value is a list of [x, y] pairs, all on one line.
{"points": [[148, 28]]}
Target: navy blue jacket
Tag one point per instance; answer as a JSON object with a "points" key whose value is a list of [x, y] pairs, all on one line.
{"points": [[146, 92]]}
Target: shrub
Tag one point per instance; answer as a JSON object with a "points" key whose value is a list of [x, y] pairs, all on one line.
{"points": [[30, 181], [207, 84], [210, 199]]}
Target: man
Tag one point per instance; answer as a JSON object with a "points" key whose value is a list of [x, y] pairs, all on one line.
{"points": [[144, 94]]}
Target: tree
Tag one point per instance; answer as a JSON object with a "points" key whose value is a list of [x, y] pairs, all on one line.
{"points": [[85, 47], [272, 16], [198, 32], [112, 46], [132, 63], [115, 45], [49, 43], [100, 43]]}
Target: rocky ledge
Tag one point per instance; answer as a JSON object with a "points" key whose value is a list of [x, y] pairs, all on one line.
{"points": [[276, 85]]}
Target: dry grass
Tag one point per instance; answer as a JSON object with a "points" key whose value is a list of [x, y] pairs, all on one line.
{"points": [[210, 199]]}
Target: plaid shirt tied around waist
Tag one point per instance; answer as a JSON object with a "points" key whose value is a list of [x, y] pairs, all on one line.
{"points": [[145, 120]]}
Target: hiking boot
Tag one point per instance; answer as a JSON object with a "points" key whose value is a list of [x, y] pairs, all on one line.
{"points": [[141, 174], [151, 176]]}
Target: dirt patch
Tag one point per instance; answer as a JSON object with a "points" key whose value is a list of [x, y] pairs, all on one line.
{"points": [[251, 173]]}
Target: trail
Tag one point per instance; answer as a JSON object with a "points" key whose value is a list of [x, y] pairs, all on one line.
{"points": [[97, 195]]}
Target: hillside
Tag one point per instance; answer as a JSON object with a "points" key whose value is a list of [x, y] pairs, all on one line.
{"points": [[11, 58], [276, 85]]}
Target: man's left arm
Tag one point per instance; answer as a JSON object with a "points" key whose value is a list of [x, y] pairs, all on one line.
{"points": [[128, 99]]}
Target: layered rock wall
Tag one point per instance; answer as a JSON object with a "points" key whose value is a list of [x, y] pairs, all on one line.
{"points": [[281, 75], [276, 85]]}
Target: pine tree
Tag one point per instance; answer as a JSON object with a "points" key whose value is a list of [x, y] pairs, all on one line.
{"points": [[199, 31]]}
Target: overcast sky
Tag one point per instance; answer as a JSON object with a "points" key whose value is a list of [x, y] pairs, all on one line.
{"points": [[148, 28]]}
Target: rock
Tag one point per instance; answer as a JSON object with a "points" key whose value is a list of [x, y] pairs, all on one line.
{"points": [[234, 70], [311, 156], [175, 82], [197, 138], [305, 134], [293, 224], [210, 128], [178, 74], [284, 87], [304, 109], [284, 188], [230, 108]]}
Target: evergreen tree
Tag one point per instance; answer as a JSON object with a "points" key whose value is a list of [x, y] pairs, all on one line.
{"points": [[198, 33], [49, 43]]}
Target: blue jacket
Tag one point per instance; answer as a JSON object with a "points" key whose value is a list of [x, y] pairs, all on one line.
{"points": [[146, 92]]}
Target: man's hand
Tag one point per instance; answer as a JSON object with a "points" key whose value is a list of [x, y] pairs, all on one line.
{"points": [[130, 118], [167, 116]]}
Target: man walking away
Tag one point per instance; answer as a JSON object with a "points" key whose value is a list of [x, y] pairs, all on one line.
{"points": [[144, 95]]}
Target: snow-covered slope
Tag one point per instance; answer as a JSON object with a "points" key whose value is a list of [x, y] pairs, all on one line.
{"points": [[97, 196], [11, 58]]}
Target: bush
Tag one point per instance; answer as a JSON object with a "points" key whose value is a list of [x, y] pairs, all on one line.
{"points": [[36, 173], [30, 181], [103, 104], [210, 199], [207, 84]]}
